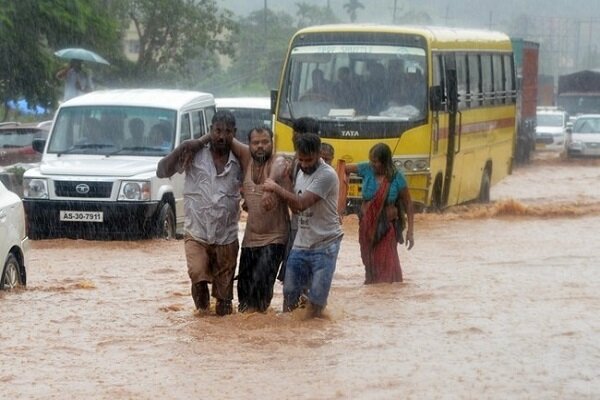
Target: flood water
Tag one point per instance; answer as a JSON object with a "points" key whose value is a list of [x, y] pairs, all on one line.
{"points": [[500, 301]]}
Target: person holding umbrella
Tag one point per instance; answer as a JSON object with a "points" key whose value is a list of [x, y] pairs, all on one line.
{"points": [[77, 81]]}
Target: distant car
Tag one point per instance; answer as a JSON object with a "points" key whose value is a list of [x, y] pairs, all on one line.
{"points": [[583, 138], [14, 243], [551, 129], [249, 112], [16, 142]]}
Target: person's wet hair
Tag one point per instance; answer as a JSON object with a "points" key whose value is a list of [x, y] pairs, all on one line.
{"points": [[382, 153], [306, 125], [224, 116], [308, 143], [260, 129]]}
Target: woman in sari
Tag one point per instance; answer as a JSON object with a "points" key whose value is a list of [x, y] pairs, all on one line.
{"points": [[383, 187]]}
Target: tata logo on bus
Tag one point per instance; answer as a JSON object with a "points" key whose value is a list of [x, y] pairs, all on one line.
{"points": [[350, 133]]}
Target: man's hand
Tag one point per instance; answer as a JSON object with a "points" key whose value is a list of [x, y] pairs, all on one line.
{"points": [[270, 185], [269, 201], [189, 148]]}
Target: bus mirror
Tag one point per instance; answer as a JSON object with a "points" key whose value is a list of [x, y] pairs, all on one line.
{"points": [[273, 100], [436, 95]]}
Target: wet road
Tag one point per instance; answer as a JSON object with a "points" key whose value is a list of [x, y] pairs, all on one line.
{"points": [[500, 301]]}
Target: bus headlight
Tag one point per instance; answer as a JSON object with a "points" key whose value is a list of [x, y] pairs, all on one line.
{"points": [[35, 188], [134, 191], [408, 165]]}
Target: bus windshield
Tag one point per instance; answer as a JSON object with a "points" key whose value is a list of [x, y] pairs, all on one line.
{"points": [[355, 82]]}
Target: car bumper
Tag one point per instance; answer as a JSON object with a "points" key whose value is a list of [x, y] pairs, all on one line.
{"points": [[120, 220], [585, 150]]}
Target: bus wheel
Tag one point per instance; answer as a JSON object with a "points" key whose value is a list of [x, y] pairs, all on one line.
{"points": [[484, 189], [165, 223]]}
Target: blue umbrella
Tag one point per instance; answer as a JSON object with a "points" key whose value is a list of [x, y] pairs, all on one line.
{"points": [[80, 54]]}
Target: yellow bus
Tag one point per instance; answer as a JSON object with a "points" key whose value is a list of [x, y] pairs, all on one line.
{"points": [[443, 99]]}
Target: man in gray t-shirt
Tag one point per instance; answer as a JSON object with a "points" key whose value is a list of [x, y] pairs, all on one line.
{"points": [[319, 236]]}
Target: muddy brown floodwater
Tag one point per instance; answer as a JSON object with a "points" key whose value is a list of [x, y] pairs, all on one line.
{"points": [[500, 301]]}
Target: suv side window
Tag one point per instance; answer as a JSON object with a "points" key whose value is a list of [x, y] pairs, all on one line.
{"points": [[198, 123], [185, 132]]}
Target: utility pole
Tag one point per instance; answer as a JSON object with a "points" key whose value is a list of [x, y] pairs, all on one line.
{"points": [[394, 12], [265, 26]]}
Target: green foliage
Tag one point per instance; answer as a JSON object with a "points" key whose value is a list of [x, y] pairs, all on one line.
{"points": [[32, 30], [179, 39], [309, 15], [261, 43], [18, 173]]}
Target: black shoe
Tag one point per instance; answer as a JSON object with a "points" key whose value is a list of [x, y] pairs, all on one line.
{"points": [[201, 295], [223, 307]]}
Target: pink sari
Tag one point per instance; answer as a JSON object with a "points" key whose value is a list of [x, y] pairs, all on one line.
{"points": [[381, 260]]}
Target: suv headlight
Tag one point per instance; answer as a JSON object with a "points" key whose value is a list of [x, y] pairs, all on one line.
{"points": [[35, 188], [134, 191]]}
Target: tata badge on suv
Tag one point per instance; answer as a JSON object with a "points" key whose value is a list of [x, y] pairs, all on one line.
{"points": [[97, 178]]}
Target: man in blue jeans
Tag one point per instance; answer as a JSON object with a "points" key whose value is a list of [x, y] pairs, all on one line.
{"points": [[317, 243]]}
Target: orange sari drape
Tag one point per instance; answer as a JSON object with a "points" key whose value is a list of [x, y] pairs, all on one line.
{"points": [[380, 259]]}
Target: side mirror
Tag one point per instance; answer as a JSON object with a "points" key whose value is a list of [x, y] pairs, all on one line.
{"points": [[436, 98], [274, 95], [38, 145]]}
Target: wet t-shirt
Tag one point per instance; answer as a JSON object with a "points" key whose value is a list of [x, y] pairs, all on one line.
{"points": [[211, 200], [318, 225]]}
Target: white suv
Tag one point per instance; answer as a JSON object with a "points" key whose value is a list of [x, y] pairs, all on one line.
{"points": [[551, 128], [97, 177]]}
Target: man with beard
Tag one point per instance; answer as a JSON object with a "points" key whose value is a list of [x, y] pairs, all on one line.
{"points": [[267, 225], [212, 208], [314, 253]]}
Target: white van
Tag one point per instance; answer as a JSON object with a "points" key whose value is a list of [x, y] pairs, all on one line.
{"points": [[97, 178], [249, 113]]}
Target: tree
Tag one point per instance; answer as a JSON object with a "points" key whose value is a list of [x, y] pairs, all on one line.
{"points": [[351, 7], [173, 32], [260, 52], [31, 30], [309, 14]]}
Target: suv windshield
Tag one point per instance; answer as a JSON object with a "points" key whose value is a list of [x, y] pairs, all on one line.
{"points": [[114, 130], [587, 125], [550, 120], [355, 82]]}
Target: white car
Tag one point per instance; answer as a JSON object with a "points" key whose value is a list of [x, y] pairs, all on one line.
{"points": [[249, 112], [583, 138], [551, 129], [14, 243]]}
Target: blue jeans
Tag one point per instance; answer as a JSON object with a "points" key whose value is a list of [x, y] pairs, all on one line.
{"points": [[304, 263]]}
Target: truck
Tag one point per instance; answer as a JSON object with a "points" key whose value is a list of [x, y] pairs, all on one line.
{"points": [[526, 55], [579, 92]]}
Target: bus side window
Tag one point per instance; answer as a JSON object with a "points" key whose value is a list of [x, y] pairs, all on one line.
{"points": [[474, 80], [438, 80], [499, 88], [510, 81], [461, 77], [487, 83]]}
